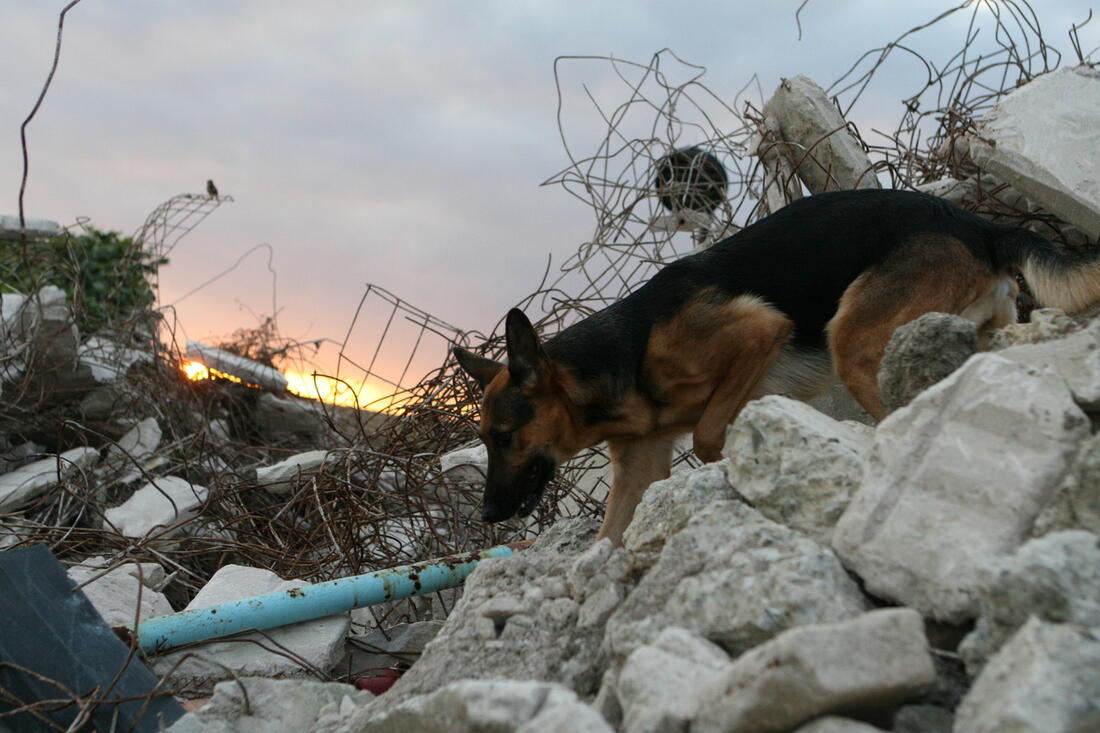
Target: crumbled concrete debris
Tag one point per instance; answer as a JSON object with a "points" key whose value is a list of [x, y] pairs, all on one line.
{"points": [[795, 465], [1042, 139], [50, 332], [281, 477], [248, 370], [398, 646], [284, 415], [24, 484], [780, 184], [659, 685], [108, 361], [516, 620], [10, 231], [923, 719], [941, 494], [837, 402], [1076, 358], [668, 505], [1046, 679], [1043, 324], [827, 156], [859, 666], [737, 578], [922, 353], [116, 594], [1075, 503], [259, 705], [135, 446], [1055, 578], [162, 502], [469, 464], [834, 724], [318, 644], [474, 706]]}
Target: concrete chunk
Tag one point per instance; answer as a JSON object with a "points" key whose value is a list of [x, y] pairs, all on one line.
{"points": [[827, 156], [796, 465], [318, 643], [1042, 140], [942, 494], [1076, 358], [1045, 680], [162, 502], [864, 664], [23, 484], [281, 477], [250, 371], [921, 353], [116, 594]]}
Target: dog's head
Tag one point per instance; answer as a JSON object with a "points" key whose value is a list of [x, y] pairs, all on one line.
{"points": [[525, 423]]}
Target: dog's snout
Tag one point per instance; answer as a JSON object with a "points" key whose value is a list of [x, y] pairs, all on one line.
{"points": [[491, 511]]}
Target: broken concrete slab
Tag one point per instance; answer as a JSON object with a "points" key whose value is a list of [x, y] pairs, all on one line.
{"points": [[281, 477], [261, 705], [1042, 139], [736, 578], [795, 465], [162, 502], [1046, 679], [123, 593], [318, 644], [288, 416], [827, 156], [1043, 324], [10, 231], [941, 495], [1075, 503], [24, 484], [668, 505], [1055, 578], [248, 370], [860, 666], [135, 446], [921, 353], [399, 646], [1076, 358], [108, 360], [660, 684], [476, 706]]}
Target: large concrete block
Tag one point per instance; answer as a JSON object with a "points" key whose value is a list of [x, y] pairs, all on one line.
{"points": [[955, 478], [20, 486], [163, 502]]}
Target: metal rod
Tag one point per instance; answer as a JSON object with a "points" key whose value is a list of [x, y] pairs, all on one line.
{"points": [[310, 602]]}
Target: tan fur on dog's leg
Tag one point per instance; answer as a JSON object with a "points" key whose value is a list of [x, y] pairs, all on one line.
{"points": [[636, 462], [758, 340]]}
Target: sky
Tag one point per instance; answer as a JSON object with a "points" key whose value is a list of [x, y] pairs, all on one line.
{"points": [[396, 143]]}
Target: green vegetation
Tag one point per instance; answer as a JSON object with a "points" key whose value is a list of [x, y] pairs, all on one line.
{"points": [[106, 275]]}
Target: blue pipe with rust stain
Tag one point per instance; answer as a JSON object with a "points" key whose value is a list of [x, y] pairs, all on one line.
{"points": [[310, 602]]}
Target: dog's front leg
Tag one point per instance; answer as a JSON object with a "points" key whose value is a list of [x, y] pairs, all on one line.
{"points": [[635, 464]]}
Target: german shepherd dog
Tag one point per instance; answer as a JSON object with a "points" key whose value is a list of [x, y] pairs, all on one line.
{"points": [[813, 290]]}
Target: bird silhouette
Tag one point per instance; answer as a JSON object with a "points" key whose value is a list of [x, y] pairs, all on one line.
{"points": [[211, 189]]}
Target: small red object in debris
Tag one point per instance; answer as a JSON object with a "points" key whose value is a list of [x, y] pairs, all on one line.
{"points": [[380, 682]]}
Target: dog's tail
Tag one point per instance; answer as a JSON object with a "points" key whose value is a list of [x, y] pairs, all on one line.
{"points": [[1058, 278]]}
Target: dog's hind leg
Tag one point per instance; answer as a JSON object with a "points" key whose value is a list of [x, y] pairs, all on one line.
{"points": [[922, 277], [636, 463], [755, 338]]}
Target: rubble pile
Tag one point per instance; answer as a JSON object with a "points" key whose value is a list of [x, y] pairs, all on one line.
{"points": [[937, 572]]}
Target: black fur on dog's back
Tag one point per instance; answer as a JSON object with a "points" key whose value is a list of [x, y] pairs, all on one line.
{"points": [[801, 260]]}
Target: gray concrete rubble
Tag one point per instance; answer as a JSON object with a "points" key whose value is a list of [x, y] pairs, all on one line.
{"points": [[10, 231], [668, 505], [1076, 358], [1055, 578], [484, 706], [397, 646], [659, 687], [517, 619], [826, 154], [162, 503], [47, 328], [921, 353], [835, 724], [260, 705], [1042, 139], [107, 360], [279, 416], [136, 446], [861, 666], [795, 465], [123, 594], [923, 719], [23, 485], [281, 477], [288, 651], [1043, 325], [1046, 679], [941, 495], [736, 578], [246, 369], [1075, 503]]}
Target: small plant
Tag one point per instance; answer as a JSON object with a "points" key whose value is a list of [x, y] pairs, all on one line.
{"points": [[106, 275]]}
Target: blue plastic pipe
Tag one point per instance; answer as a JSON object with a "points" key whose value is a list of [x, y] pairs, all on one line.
{"points": [[310, 602]]}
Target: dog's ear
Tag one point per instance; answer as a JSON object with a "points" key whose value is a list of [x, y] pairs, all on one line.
{"points": [[526, 360], [478, 367]]}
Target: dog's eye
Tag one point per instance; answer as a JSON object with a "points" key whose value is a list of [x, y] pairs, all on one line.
{"points": [[501, 438]]}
